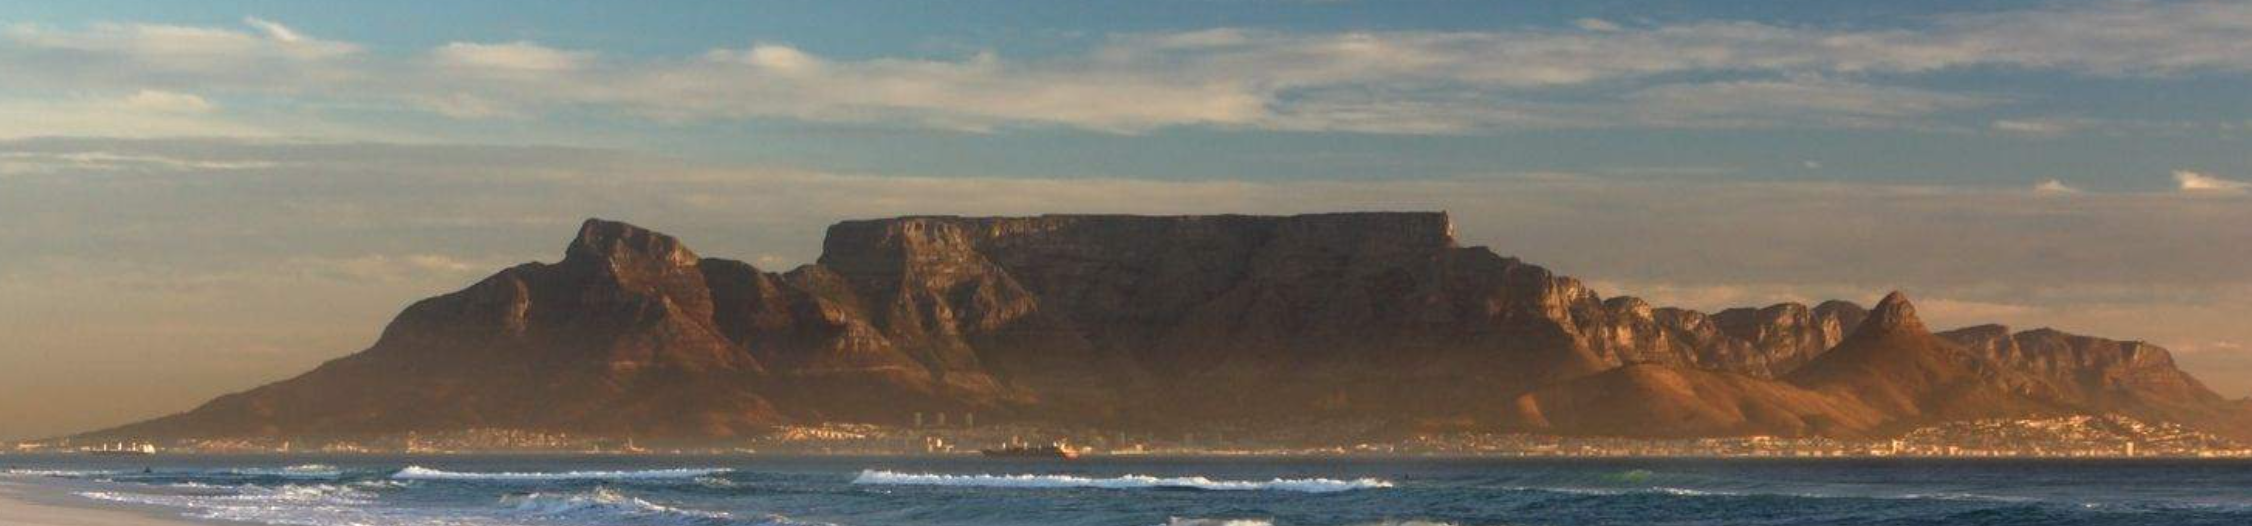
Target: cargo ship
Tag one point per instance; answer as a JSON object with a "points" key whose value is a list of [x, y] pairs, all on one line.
{"points": [[1056, 451]]}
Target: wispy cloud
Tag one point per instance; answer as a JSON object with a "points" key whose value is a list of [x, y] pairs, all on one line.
{"points": [[2037, 126], [1803, 101], [158, 100], [2194, 182], [176, 48], [143, 113], [1689, 74], [519, 56]]}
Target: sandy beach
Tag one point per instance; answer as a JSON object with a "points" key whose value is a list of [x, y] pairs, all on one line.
{"points": [[41, 501]]}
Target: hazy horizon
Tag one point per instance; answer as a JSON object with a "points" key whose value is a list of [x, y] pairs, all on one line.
{"points": [[202, 199]]}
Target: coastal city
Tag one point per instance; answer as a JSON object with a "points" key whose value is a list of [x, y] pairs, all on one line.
{"points": [[2107, 436]]}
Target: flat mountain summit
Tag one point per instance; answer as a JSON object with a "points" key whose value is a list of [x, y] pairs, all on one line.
{"points": [[1101, 320]]}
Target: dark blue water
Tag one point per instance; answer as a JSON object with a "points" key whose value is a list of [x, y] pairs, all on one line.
{"points": [[721, 491]]}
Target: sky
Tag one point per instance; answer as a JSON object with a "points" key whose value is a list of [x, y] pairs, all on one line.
{"points": [[199, 197]]}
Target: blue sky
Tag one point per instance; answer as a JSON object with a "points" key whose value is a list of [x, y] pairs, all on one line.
{"points": [[219, 193], [2002, 95]]}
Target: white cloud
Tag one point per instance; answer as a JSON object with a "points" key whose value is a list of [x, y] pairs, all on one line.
{"points": [[974, 93], [466, 106], [405, 268], [1687, 74], [182, 47], [106, 161], [166, 101], [519, 56], [1793, 101], [274, 30], [143, 114], [1596, 24], [2039, 127], [2054, 187], [2193, 182], [1438, 82]]}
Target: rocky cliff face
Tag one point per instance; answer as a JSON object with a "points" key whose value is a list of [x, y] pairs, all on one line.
{"points": [[1111, 319], [2104, 375], [1893, 363]]}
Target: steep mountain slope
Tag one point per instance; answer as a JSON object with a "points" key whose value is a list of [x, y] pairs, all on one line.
{"points": [[1895, 365], [2108, 376], [1655, 400], [1890, 375], [616, 338]]}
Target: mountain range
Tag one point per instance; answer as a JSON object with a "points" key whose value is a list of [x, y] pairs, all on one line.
{"points": [[1109, 320]]}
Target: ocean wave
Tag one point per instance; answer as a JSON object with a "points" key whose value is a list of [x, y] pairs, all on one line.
{"points": [[60, 473], [301, 471], [1309, 485], [422, 473], [245, 496], [293, 505], [606, 506], [1180, 521], [1711, 492]]}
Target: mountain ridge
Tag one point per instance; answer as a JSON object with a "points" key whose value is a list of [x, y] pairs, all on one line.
{"points": [[1116, 320]]}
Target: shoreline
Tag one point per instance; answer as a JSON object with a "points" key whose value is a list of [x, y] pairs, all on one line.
{"points": [[49, 501]]}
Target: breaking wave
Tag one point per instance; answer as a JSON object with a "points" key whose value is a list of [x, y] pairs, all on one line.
{"points": [[1178, 521], [293, 504], [60, 473], [301, 471], [422, 473], [1309, 485], [245, 499], [1181, 521], [605, 506]]}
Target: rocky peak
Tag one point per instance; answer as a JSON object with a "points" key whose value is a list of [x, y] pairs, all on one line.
{"points": [[1841, 308], [623, 247], [636, 267], [1630, 306], [1991, 335], [1892, 315]]}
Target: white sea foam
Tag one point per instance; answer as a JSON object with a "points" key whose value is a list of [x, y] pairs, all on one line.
{"points": [[59, 473], [301, 471], [422, 473], [1310, 485], [310, 505], [1693, 492], [291, 505], [606, 506], [1181, 521]]}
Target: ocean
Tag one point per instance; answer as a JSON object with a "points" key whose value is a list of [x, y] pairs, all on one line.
{"points": [[529, 490]]}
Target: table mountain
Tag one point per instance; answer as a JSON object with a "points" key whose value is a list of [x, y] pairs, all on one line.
{"points": [[1139, 320]]}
